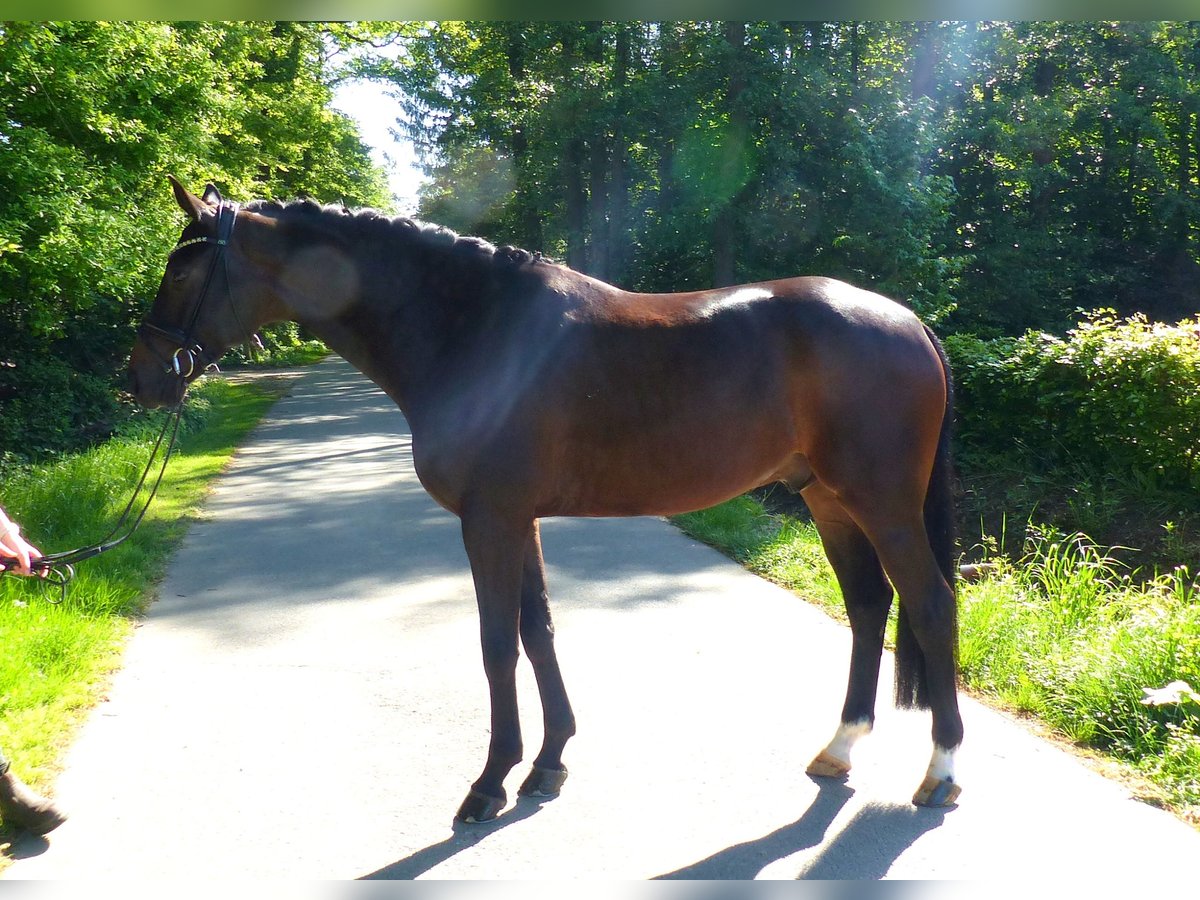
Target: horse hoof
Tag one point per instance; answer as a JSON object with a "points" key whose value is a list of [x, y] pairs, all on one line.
{"points": [[936, 792], [543, 782], [479, 808], [827, 765]]}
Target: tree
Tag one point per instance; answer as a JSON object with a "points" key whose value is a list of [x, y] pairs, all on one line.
{"points": [[93, 115], [1070, 146], [677, 155]]}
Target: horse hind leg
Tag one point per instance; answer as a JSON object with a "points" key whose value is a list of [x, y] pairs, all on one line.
{"points": [[926, 641], [537, 636], [868, 598]]}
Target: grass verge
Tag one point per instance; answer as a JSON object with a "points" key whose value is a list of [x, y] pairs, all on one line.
{"points": [[1061, 632], [58, 656]]}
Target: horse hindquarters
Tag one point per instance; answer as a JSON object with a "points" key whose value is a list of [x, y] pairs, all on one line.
{"points": [[883, 480]]}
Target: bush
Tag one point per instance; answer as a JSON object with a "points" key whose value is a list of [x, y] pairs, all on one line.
{"points": [[49, 407], [282, 344], [1115, 397], [1066, 633]]}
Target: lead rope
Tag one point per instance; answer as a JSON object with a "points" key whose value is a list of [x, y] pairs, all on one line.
{"points": [[58, 569]]}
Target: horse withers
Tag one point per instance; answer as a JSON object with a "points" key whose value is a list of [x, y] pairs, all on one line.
{"points": [[533, 390]]}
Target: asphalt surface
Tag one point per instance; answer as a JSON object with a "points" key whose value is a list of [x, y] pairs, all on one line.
{"points": [[306, 700]]}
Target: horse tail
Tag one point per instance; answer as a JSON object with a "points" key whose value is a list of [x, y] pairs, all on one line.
{"points": [[912, 689]]}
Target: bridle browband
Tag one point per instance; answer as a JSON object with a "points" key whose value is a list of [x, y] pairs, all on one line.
{"points": [[189, 357]]}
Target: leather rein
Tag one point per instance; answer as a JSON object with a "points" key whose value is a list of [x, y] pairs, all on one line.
{"points": [[189, 357]]}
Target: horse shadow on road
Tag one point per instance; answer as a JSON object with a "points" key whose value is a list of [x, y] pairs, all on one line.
{"points": [[463, 838], [864, 849]]}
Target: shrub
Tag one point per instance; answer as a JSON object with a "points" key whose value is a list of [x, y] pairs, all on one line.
{"points": [[1113, 397], [48, 407]]}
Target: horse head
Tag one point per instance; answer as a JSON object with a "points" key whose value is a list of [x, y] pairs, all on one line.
{"points": [[212, 296]]}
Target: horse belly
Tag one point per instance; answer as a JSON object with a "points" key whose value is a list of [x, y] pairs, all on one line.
{"points": [[665, 468]]}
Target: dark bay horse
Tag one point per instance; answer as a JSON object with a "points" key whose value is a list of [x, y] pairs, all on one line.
{"points": [[533, 390]]}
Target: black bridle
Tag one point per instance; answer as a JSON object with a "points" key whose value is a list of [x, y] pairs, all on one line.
{"points": [[189, 358]]}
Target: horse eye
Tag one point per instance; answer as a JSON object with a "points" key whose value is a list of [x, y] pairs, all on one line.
{"points": [[179, 276]]}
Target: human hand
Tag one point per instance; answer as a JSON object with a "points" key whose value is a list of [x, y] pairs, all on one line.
{"points": [[15, 552]]}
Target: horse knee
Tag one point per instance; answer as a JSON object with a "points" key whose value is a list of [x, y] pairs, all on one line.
{"points": [[537, 636], [500, 655]]}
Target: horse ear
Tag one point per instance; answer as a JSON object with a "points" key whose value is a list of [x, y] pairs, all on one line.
{"points": [[211, 195], [189, 202]]}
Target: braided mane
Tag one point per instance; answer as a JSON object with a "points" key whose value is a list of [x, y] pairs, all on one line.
{"points": [[401, 232]]}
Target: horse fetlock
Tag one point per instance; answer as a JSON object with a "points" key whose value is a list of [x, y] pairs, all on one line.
{"points": [[941, 764], [834, 760]]}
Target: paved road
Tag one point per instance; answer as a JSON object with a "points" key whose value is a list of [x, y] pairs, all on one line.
{"points": [[306, 701]]}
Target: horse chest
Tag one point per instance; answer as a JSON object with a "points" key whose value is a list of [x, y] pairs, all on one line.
{"points": [[461, 449]]}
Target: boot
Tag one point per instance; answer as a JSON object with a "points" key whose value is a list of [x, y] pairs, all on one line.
{"points": [[20, 807]]}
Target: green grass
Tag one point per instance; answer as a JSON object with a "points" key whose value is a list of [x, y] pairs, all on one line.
{"points": [[781, 549], [1062, 632], [58, 657], [299, 353]]}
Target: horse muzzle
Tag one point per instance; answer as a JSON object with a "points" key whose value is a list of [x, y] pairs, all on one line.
{"points": [[151, 385]]}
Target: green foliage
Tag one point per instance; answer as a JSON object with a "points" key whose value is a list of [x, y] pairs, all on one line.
{"points": [[669, 155], [49, 407], [998, 176], [282, 344], [1118, 397], [1067, 634], [93, 116], [1072, 146], [779, 548]]}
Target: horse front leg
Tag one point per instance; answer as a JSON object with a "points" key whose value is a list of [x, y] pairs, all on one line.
{"points": [[537, 636], [495, 545]]}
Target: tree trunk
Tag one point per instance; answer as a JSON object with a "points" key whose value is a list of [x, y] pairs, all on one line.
{"points": [[598, 209], [597, 167], [668, 190], [573, 166], [855, 55], [724, 238], [618, 168], [924, 79], [529, 220]]}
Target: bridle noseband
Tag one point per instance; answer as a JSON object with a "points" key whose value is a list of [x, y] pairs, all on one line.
{"points": [[190, 356]]}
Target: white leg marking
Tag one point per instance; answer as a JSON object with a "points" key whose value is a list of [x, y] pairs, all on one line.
{"points": [[941, 766], [847, 736]]}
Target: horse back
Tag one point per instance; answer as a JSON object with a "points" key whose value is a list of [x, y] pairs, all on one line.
{"points": [[658, 403]]}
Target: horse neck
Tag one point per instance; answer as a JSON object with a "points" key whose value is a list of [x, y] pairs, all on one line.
{"points": [[391, 327]]}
